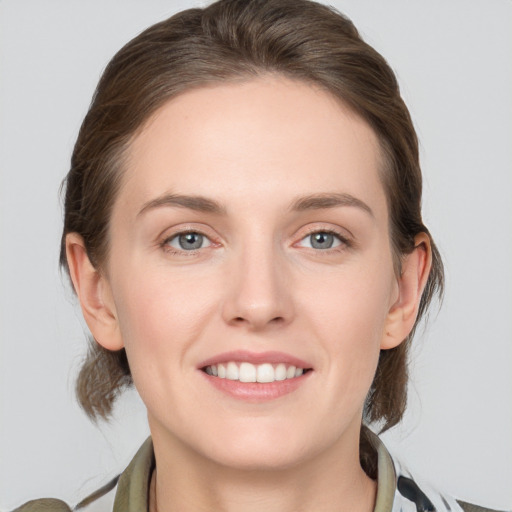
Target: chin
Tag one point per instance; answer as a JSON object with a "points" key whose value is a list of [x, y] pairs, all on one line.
{"points": [[263, 449], [259, 459]]}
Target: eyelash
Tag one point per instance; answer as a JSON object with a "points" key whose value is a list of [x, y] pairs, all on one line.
{"points": [[345, 243], [165, 244]]}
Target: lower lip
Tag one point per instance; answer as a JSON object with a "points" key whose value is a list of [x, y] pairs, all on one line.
{"points": [[256, 391]]}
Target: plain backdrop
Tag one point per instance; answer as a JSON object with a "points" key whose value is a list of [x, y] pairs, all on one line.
{"points": [[454, 63]]}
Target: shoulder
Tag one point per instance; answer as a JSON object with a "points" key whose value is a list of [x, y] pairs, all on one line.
{"points": [[428, 499], [44, 505], [468, 507], [127, 492], [102, 500], [397, 489]]}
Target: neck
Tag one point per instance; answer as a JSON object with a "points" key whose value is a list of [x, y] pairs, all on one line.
{"points": [[187, 482]]}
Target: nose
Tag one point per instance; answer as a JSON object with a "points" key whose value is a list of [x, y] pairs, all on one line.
{"points": [[258, 291]]}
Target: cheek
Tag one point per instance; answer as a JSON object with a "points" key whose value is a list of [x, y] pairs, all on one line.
{"points": [[161, 311], [161, 316], [352, 304], [349, 313]]}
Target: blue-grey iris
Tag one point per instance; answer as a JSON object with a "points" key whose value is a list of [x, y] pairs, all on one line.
{"points": [[190, 241], [321, 240]]}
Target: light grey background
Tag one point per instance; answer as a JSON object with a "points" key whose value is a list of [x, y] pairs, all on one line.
{"points": [[454, 63]]}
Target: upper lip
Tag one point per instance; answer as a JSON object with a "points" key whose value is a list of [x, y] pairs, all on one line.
{"points": [[255, 358]]}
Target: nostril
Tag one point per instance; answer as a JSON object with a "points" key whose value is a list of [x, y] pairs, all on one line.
{"points": [[257, 320]]}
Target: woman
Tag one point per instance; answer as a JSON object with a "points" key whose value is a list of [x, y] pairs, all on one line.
{"points": [[243, 231]]}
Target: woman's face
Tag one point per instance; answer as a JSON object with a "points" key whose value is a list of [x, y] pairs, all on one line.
{"points": [[250, 236]]}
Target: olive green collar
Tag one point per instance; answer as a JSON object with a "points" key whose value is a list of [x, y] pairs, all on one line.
{"points": [[386, 480], [133, 487]]}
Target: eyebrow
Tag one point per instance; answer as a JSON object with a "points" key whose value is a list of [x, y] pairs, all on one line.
{"points": [[203, 204], [329, 200], [197, 203]]}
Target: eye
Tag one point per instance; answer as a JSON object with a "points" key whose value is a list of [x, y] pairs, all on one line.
{"points": [[190, 241], [322, 240]]}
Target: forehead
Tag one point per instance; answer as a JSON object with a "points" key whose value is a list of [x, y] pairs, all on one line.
{"points": [[267, 138]]}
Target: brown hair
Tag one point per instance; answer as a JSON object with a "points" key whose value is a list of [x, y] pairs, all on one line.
{"points": [[230, 40]]}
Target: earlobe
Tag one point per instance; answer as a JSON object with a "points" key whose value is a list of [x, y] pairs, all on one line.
{"points": [[411, 283], [93, 292]]}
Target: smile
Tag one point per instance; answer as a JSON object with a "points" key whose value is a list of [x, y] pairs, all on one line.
{"points": [[256, 377], [248, 372]]}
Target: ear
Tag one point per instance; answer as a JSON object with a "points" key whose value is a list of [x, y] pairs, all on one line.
{"points": [[94, 293], [411, 283]]}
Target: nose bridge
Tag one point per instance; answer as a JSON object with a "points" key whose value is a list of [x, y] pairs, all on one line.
{"points": [[257, 294]]}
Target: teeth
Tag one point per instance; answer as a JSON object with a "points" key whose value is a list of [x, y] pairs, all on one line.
{"points": [[265, 373], [247, 372], [280, 372], [232, 372], [290, 372]]}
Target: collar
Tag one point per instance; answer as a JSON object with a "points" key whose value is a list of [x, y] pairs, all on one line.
{"points": [[133, 487], [397, 490]]}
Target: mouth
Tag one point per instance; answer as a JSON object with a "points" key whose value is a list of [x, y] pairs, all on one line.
{"points": [[256, 377], [247, 372]]}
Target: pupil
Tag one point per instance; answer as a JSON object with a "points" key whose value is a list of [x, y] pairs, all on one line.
{"points": [[322, 240], [191, 241]]}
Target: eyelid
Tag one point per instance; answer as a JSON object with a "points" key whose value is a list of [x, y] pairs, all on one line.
{"points": [[176, 236], [176, 231], [345, 240], [337, 241]]}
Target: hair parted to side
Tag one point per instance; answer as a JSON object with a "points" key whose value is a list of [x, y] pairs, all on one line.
{"points": [[237, 40]]}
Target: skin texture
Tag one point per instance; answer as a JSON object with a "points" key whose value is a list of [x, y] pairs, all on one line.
{"points": [[256, 284]]}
